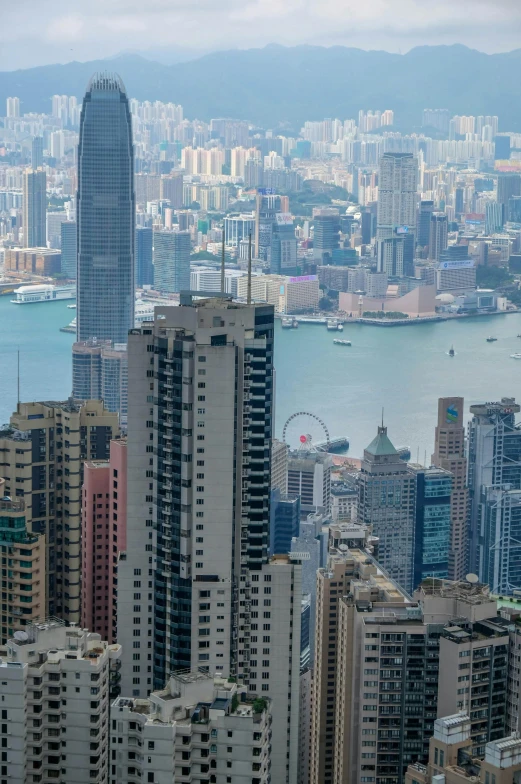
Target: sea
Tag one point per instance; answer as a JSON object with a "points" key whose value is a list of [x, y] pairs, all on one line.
{"points": [[394, 374]]}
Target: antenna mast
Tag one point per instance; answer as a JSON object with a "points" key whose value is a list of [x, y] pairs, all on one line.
{"points": [[222, 266], [248, 300]]}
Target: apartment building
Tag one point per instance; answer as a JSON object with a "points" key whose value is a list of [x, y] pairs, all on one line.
{"points": [[42, 452], [196, 583], [55, 684], [198, 728], [452, 760], [22, 577], [387, 665], [103, 535]]}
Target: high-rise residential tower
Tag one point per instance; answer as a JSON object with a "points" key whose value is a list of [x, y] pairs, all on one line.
{"points": [[438, 235], [105, 212], [449, 453], [196, 586], [37, 152], [35, 208], [397, 193]]}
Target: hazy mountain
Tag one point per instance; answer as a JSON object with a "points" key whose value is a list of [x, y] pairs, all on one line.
{"points": [[288, 85]]}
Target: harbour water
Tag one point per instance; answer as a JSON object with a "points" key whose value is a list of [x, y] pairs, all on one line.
{"points": [[402, 369]]}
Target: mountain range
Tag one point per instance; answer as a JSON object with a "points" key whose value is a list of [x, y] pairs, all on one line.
{"points": [[282, 86]]}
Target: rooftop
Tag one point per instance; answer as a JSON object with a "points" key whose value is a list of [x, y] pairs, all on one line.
{"points": [[381, 444]]}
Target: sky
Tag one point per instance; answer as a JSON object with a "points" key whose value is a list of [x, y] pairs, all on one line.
{"points": [[41, 32]]}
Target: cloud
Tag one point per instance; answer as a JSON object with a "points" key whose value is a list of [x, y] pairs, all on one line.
{"points": [[59, 31]]}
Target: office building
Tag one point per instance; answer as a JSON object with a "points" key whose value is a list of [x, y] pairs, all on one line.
{"points": [[386, 665], [35, 208], [35, 261], [172, 261], [456, 271], [54, 221], [438, 239], [237, 227], [37, 153], [386, 501], [500, 528], [22, 583], [397, 193], [103, 537], [44, 448], [326, 231], [105, 213], [309, 476], [198, 727], [494, 460], [283, 248], [69, 248], [451, 757], [198, 513], [449, 454], [423, 228], [396, 256], [56, 685], [100, 372], [432, 532], [285, 521], [267, 208], [344, 501], [144, 274]]}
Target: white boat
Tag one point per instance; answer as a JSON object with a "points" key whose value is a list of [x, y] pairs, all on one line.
{"points": [[515, 356], [72, 307], [43, 292], [287, 323], [340, 327], [339, 342], [332, 324]]}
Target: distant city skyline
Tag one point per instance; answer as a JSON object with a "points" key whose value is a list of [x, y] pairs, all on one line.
{"points": [[57, 34]]}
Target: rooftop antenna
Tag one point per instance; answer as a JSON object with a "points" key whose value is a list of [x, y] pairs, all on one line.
{"points": [[222, 265], [248, 299], [18, 381], [425, 459], [418, 455], [382, 416]]}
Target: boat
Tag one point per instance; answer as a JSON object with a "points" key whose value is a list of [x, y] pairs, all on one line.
{"points": [[43, 292], [519, 336], [70, 327], [340, 327], [339, 342], [295, 324], [72, 307], [332, 324], [451, 351], [490, 339], [515, 356], [287, 323]]}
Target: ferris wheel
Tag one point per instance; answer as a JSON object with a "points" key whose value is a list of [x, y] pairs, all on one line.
{"points": [[315, 440]]}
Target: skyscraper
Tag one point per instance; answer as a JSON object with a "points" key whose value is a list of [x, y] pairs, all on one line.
{"points": [[386, 501], [449, 453], [494, 454], [69, 248], [397, 193], [35, 208], [172, 260], [283, 255], [433, 522], [105, 212], [144, 261], [423, 229], [326, 238], [13, 107], [197, 581], [438, 235], [37, 152]]}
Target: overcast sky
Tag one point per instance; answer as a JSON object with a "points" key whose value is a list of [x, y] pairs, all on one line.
{"points": [[38, 32]]}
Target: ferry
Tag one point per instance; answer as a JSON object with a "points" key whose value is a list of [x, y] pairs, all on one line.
{"points": [[451, 351], [72, 307], [44, 292], [287, 323], [339, 342], [515, 356], [491, 339], [332, 324]]}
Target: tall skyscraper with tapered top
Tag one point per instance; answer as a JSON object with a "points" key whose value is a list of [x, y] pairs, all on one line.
{"points": [[105, 212]]}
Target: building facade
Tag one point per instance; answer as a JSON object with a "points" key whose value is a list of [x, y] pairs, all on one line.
{"points": [[43, 451], [172, 261], [199, 458], [144, 274], [106, 208], [397, 193], [35, 208]]}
